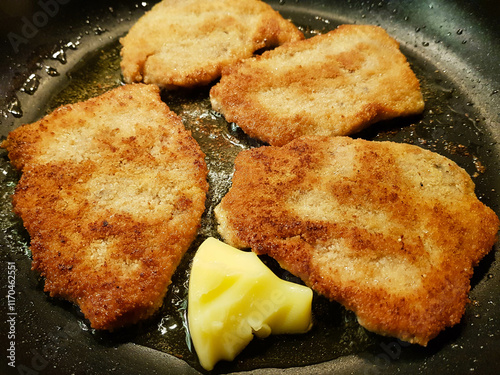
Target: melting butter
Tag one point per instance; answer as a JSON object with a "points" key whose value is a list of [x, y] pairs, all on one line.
{"points": [[234, 296]]}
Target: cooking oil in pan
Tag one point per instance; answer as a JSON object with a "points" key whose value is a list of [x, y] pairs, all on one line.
{"points": [[93, 76]]}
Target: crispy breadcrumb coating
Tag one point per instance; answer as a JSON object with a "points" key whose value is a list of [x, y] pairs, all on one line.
{"points": [[391, 231], [187, 43], [333, 84], [112, 194]]}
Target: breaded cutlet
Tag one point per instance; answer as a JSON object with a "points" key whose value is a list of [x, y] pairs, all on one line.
{"points": [[389, 230], [187, 43], [332, 84], [112, 192]]}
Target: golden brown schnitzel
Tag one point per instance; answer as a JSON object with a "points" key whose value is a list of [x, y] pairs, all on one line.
{"points": [[391, 231], [332, 84], [112, 193], [187, 43]]}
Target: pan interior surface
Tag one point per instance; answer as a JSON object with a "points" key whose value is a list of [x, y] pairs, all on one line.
{"points": [[446, 47]]}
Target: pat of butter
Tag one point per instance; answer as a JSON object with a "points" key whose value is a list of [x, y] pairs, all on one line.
{"points": [[233, 295]]}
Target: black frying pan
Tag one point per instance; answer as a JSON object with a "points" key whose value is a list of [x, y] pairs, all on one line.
{"points": [[58, 51]]}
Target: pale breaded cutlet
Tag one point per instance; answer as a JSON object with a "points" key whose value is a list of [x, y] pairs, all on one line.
{"points": [[332, 84], [112, 192], [187, 43], [389, 230]]}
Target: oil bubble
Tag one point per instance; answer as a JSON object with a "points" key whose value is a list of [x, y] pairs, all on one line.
{"points": [[31, 84], [60, 56], [14, 108], [51, 71], [99, 30]]}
